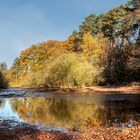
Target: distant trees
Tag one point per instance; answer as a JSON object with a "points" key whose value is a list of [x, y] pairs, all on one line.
{"points": [[3, 80], [3, 67]]}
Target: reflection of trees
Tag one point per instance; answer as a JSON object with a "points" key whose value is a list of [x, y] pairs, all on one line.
{"points": [[61, 109], [58, 112], [70, 113], [122, 111], [2, 103]]}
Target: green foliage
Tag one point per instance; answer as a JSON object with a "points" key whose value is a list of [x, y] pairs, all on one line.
{"points": [[124, 58], [110, 20], [90, 25], [3, 67]]}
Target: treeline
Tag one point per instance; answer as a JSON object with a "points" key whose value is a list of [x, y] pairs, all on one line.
{"points": [[3, 79], [105, 50]]}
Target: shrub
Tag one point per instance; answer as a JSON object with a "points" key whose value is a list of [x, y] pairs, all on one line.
{"points": [[72, 70]]}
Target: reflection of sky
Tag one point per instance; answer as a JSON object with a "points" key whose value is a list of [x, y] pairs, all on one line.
{"points": [[6, 112]]}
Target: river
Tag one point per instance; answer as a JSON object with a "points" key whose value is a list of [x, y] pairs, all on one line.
{"points": [[69, 111]]}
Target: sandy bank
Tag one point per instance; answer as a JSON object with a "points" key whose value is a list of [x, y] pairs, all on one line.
{"points": [[94, 90]]}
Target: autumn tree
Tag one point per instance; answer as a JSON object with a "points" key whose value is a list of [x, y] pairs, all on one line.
{"points": [[94, 48]]}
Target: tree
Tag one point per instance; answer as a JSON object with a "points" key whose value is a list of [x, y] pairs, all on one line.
{"points": [[109, 20], [72, 43], [107, 45], [3, 80], [3, 67], [90, 48], [133, 65], [90, 25]]}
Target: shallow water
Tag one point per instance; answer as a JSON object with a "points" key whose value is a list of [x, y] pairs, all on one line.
{"points": [[69, 111]]}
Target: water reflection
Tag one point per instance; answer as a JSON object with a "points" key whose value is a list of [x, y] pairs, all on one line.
{"points": [[6, 111], [75, 113], [58, 112], [2, 103], [71, 112]]}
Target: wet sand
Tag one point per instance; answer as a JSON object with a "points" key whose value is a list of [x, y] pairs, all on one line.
{"points": [[122, 89]]}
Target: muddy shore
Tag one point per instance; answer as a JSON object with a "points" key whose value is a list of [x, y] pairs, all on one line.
{"points": [[93, 90], [24, 131]]}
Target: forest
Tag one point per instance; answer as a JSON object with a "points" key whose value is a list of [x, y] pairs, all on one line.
{"points": [[104, 51]]}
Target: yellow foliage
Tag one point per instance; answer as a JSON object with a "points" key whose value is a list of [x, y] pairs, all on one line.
{"points": [[93, 48]]}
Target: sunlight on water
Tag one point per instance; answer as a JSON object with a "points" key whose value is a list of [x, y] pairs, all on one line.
{"points": [[6, 110]]}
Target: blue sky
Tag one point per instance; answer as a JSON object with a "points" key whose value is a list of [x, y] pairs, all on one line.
{"points": [[26, 22]]}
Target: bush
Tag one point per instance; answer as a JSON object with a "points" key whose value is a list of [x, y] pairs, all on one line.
{"points": [[72, 70], [60, 70]]}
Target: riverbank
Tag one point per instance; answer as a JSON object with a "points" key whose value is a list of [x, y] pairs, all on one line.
{"points": [[93, 90], [24, 131]]}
